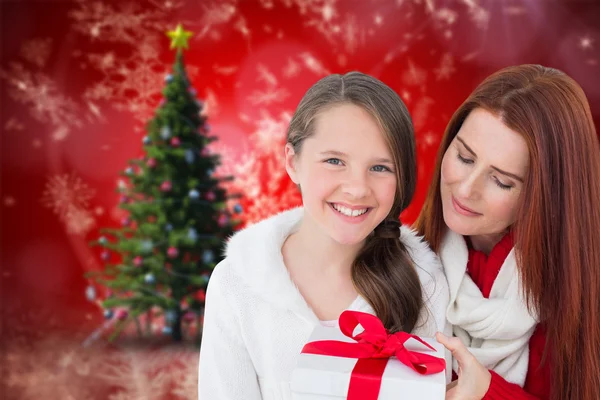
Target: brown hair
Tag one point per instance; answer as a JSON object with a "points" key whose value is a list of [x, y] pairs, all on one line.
{"points": [[383, 272], [557, 230]]}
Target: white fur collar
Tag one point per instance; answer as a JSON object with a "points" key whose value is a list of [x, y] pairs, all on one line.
{"points": [[254, 254]]}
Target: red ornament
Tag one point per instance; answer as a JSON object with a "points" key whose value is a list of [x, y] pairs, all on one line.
{"points": [[175, 142], [121, 314], [200, 295], [223, 220], [125, 221], [205, 152], [124, 199], [189, 316], [210, 196], [151, 162], [166, 186], [138, 261], [172, 252], [152, 218]]}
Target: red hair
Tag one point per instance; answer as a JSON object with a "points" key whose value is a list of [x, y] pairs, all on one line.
{"points": [[557, 231]]}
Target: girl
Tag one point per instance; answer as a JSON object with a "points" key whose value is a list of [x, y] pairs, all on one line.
{"points": [[513, 213], [351, 151]]}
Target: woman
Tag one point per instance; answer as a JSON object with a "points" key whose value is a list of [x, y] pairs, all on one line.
{"points": [[513, 213]]}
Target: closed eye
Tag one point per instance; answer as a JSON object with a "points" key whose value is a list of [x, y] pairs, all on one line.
{"points": [[464, 160]]}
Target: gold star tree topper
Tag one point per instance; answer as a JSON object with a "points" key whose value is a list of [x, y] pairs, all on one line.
{"points": [[179, 37]]}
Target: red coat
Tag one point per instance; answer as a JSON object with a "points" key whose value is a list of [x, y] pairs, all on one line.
{"points": [[483, 270]]}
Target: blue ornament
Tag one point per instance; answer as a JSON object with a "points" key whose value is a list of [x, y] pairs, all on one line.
{"points": [[168, 227], [102, 240], [146, 140], [90, 293], [208, 256], [166, 330], [149, 278], [192, 234], [147, 246], [170, 316], [194, 194], [169, 78], [237, 208], [108, 313], [189, 156], [209, 172], [129, 171], [165, 132]]}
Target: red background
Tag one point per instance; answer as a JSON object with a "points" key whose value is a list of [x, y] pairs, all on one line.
{"points": [[79, 79]]}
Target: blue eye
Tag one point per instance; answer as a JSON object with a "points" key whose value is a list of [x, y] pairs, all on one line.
{"points": [[334, 161], [464, 160], [381, 168]]}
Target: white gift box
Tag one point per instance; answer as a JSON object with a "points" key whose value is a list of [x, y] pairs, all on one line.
{"points": [[320, 377]]}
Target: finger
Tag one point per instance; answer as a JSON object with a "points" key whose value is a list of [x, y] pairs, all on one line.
{"points": [[456, 347]]}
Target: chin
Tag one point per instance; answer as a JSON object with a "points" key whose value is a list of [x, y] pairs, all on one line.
{"points": [[348, 239], [458, 225]]}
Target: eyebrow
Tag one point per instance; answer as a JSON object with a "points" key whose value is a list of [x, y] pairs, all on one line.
{"points": [[340, 154], [470, 150]]}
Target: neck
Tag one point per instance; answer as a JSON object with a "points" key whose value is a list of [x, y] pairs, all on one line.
{"points": [[319, 253], [486, 243]]}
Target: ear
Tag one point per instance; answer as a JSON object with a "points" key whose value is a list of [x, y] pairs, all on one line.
{"points": [[291, 163]]}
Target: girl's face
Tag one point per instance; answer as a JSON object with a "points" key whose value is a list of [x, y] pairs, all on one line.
{"points": [[482, 176], [346, 174]]}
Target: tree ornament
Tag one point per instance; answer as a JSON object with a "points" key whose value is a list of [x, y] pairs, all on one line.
{"points": [[121, 314], [129, 171], [165, 132], [168, 227], [210, 196], [108, 313], [90, 293], [125, 221], [175, 142], [149, 278], [208, 256], [166, 186], [189, 156], [169, 78], [105, 256], [238, 208], [192, 234], [172, 252], [138, 261], [151, 162], [102, 240], [194, 194], [146, 140]]}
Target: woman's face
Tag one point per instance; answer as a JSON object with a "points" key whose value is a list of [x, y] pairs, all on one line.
{"points": [[482, 176]]}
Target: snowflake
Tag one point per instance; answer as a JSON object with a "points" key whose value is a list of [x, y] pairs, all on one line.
{"points": [[421, 112], [13, 124], [291, 69], [586, 43], [48, 105], [446, 68], [414, 76], [69, 198], [128, 24], [479, 15], [79, 221], [37, 51], [272, 94], [313, 65], [225, 70], [132, 83], [9, 201], [260, 176]]}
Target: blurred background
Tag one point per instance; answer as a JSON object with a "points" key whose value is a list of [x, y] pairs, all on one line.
{"points": [[79, 80]]}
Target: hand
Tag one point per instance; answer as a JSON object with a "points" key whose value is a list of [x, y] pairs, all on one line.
{"points": [[473, 378]]}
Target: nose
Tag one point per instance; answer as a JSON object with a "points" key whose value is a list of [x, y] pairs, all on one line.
{"points": [[468, 187], [356, 185]]}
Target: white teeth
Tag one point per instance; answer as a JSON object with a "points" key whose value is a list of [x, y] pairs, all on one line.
{"points": [[348, 212]]}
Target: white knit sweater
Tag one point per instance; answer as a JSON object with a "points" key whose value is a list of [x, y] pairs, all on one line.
{"points": [[256, 321]]}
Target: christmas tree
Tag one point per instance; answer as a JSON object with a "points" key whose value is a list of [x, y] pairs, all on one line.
{"points": [[162, 256]]}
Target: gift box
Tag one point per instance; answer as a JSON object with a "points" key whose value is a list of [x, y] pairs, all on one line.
{"points": [[338, 364]]}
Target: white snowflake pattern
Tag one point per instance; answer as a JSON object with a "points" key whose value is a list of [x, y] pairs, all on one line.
{"points": [[421, 112], [47, 104], [69, 197], [37, 51], [446, 68], [13, 124], [414, 75], [272, 93], [291, 69]]}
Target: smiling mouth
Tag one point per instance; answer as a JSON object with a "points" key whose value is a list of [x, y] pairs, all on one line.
{"points": [[462, 209], [349, 212]]}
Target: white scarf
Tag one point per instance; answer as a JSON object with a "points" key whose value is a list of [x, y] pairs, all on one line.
{"points": [[495, 330]]}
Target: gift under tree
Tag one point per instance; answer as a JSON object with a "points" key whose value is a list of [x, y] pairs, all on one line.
{"points": [[162, 256]]}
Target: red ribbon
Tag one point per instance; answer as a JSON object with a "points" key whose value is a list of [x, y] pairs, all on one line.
{"points": [[373, 349]]}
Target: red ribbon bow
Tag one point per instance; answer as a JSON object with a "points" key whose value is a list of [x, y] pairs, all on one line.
{"points": [[373, 349]]}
